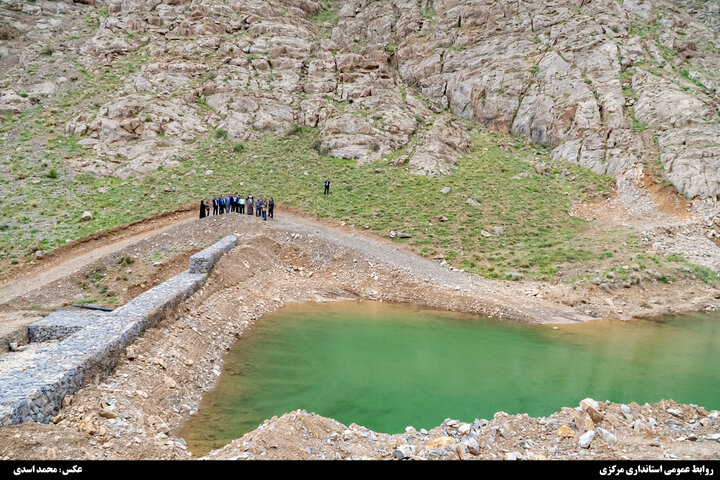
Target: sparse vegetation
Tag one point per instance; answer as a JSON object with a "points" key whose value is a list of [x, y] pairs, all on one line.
{"points": [[294, 129], [427, 12], [326, 19]]}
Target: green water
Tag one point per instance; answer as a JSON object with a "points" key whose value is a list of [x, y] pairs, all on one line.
{"points": [[388, 366]]}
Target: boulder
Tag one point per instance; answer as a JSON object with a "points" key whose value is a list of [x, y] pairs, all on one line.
{"points": [[107, 413], [441, 442], [11, 102], [41, 90], [586, 439], [608, 437]]}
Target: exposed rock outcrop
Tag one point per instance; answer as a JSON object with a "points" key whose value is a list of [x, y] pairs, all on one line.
{"points": [[583, 78]]}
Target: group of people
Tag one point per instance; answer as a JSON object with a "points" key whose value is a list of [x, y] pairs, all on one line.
{"points": [[227, 203], [236, 204]]}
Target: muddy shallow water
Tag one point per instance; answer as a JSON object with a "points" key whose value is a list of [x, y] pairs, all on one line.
{"points": [[387, 366]]}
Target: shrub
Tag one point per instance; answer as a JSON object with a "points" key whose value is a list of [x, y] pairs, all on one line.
{"points": [[320, 148], [126, 260], [294, 129], [428, 12]]}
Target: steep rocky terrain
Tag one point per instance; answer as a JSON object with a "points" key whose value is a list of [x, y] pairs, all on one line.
{"points": [[585, 78]]}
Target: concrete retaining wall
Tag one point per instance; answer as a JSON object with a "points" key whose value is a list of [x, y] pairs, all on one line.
{"points": [[34, 382]]}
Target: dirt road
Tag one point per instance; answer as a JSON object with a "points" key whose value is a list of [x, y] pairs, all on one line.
{"points": [[71, 258]]}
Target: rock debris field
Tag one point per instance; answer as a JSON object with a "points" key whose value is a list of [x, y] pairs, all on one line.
{"points": [[137, 409]]}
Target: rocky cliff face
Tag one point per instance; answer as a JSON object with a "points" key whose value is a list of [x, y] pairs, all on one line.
{"points": [[607, 84]]}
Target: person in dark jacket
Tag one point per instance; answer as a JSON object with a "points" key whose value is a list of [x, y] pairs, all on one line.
{"points": [[249, 203], [215, 206], [203, 212], [271, 207], [327, 187]]}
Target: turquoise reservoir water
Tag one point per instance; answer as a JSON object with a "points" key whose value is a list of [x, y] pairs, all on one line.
{"points": [[386, 366]]}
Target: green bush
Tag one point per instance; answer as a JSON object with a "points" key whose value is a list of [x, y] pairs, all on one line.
{"points": [[294, 129]]}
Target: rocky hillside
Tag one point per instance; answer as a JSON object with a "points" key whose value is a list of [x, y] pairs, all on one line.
{"points": [[119, 88], [585, 78]]}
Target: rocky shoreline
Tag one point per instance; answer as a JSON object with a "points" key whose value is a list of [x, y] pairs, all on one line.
{"points": [[593, 430]]}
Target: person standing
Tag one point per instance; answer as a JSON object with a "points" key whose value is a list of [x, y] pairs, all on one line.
{"points": [[250, 205], [241, 205], [258, 207], [227, 202], [327, 187], [221, 204], [202, 209], [215, 206], [271, 207], [264, 210]]}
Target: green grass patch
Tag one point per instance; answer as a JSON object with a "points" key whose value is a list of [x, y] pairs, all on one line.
{"points": [[86, 301], [704, 274], [328, 15], [427, 12], [539, 239]]}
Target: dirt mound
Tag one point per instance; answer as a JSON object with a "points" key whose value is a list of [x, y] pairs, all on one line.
{"points": [[594, 430]]}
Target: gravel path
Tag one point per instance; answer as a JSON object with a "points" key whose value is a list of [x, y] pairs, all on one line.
{"points": [[510, 295], [68, 262]]}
